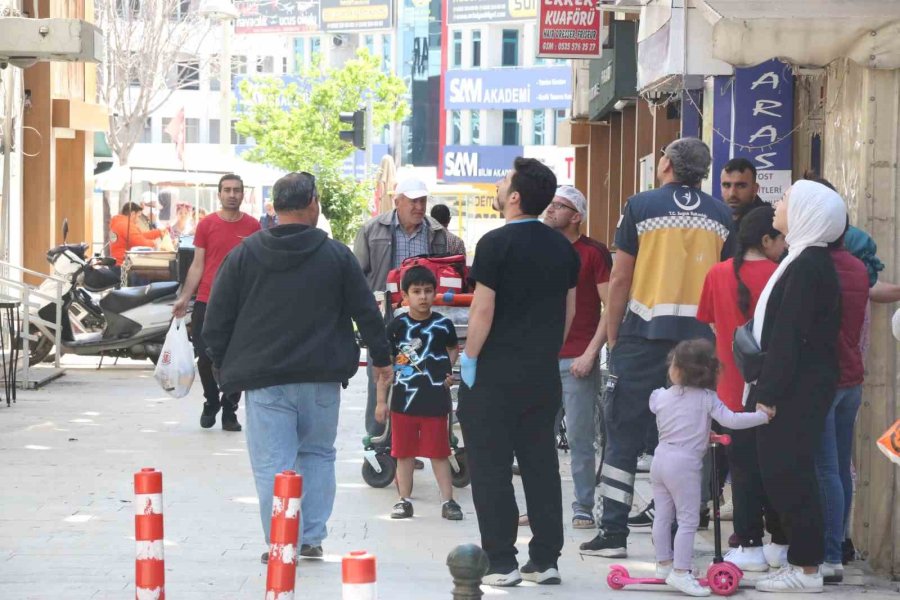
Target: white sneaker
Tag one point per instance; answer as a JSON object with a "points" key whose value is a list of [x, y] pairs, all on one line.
{"points": [[776, 555], [644, 462], [502, 579], [663, 571], [792, 580], [726, 511], [832, 572], [748, 559], [687, 584]]}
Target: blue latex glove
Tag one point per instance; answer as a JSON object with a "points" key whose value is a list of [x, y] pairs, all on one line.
{"points": [[467, 368]]}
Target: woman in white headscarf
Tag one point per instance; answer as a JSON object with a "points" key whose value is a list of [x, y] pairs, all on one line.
{"points": [[796, 323]]}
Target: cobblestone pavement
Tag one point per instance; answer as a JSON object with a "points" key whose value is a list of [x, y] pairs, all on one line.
{"points": [[68, 452]]}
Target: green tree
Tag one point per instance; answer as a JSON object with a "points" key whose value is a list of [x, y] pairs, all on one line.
{"points": [[296, 128]]}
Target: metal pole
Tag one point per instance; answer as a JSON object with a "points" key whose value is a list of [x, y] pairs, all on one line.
{"points": [[57, 339], [370, 136], [225, 90], [26, 331]]}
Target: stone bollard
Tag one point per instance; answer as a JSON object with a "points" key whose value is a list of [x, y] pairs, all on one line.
{"points": [[468, 564]]}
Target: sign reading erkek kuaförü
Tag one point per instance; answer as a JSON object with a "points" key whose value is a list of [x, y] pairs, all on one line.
{"points": [[569, 29]]}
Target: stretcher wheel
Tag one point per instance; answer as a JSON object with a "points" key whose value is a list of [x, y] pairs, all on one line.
{"points": [[461, 478], [383, 479], [724, 578], [616, 578]]}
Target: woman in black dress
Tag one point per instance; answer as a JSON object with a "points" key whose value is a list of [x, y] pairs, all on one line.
{"points": [[796, 323]]}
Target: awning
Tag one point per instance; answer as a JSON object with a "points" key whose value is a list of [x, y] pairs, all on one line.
{"points": [[805, 32]]}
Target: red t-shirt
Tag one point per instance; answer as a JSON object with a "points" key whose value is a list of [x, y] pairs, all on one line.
{"points": [[218, 237], [595, 265], [719, 307]]}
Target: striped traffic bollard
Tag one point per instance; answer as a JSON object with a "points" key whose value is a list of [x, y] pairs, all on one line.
{"points": [[285, 530], [149, 566], [358, 570]]}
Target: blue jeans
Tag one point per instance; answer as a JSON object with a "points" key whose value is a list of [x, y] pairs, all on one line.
{"points": [[579, 402], [833, 469], [294, 427]]}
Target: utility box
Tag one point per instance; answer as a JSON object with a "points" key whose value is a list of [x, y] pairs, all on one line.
{"points": [[24, 41]]}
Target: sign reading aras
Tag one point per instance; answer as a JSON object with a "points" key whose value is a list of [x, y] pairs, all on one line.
{"points": [[570, 29]]}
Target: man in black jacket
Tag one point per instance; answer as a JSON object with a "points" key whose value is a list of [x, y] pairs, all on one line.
{"points": [[278, 327], [740, 192]]}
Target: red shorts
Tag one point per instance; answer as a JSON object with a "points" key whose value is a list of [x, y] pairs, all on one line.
{"points": [[413, 436]]}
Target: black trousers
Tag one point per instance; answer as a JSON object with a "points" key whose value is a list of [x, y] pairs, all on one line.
{"points": [[637, 366], [214, 400], [499, 421], [786, 449], [751, 504]]}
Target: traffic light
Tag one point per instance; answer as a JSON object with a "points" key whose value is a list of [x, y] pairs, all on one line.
{"points": [[357, 134]]}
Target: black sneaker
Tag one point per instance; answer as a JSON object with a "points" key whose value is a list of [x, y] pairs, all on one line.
{"points": [[848, 551], [230, 422], [606, 545], [548, 575], [644, 519], [704, 519], [208, 417], [264, 559], [402, 510], [450, 511], [307, 551], [502, 577]]}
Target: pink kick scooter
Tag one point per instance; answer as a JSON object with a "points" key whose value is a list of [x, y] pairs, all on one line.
{"points": [[722, 577]]}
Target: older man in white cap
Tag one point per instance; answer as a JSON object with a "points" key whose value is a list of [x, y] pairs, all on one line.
{"points": [[386, 241], [578, 359]]}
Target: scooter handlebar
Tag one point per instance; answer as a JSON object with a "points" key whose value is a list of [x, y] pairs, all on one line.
{"points": [[723, 439]]}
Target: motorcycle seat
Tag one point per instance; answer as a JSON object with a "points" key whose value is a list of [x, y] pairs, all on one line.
{"points": [[118, 301]]}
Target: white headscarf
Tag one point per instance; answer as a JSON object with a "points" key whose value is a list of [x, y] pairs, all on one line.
{"points": [[817, 216]]}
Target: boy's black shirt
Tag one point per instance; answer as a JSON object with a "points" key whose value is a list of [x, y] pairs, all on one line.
{"points": [[421, 364]]}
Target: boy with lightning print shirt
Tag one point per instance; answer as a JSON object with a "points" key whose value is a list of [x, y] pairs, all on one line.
{"points": [[425, 346]]}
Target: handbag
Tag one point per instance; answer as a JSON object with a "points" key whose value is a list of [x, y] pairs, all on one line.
{"points": [[748, 356]]}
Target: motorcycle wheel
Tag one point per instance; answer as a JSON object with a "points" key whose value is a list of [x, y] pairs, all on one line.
{"points": [[39, 350]]}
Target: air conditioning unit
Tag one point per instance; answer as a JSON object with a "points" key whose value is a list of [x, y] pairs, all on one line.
{"points": [[24, 42]]}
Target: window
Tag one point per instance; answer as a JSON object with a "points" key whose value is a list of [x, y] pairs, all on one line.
{"points": [[538, 127], [265, 64], [188, 75], [369, 43], [386, 63], [128, 8], [180, 10], [134, 69], [237, 138], [510, 128], [316, 44], [299, 54], [457, 48], [475, 121], [455, 127], [284, 64], [214, 82], [238, 65], [147, 132], [510, 48], [192, 131], [214, 131], [476, 48]]}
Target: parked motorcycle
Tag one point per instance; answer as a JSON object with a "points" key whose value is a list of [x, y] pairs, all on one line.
{"points": [[97, 317]]}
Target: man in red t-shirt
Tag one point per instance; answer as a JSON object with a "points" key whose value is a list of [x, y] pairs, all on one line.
{"points": [[215, 237], [578, 359]]}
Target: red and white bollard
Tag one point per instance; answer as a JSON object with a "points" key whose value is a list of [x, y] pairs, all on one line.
{"points": [[283, 536], [149, 564], [358, 571]]}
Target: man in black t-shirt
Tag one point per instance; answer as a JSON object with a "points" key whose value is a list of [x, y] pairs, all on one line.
{"points": [[525, 275]]}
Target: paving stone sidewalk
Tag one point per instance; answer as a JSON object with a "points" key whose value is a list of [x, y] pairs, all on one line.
{"points": [[68, 453]]}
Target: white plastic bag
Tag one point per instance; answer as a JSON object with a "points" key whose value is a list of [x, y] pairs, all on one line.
{"points": [[175, 369]]}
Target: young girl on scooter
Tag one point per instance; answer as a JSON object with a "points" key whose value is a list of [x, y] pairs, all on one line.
{"points": [[684, 414]]}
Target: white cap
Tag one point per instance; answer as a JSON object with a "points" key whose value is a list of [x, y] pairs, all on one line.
{"points": [[571, 193], [412, 188]]}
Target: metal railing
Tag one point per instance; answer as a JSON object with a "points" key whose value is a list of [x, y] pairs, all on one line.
{"points": [[31, 299]]}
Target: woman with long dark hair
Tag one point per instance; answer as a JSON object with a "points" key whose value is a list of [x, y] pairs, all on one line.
{"points": [[729, 298], [796, 324]]}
